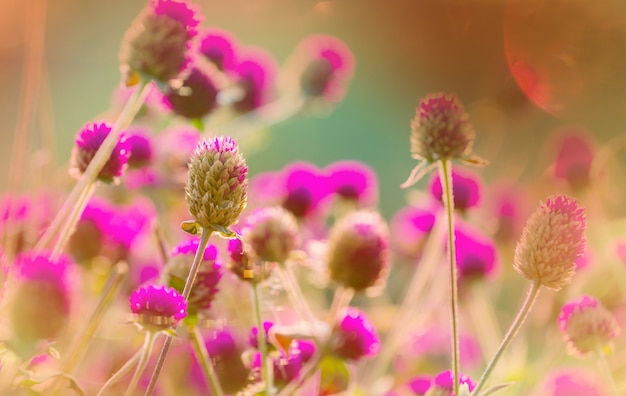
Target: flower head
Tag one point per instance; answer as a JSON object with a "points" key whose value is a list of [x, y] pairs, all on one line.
{"points": [[219, 47], [440, 131], [216, 190], [157, 44], [411, 227], [355, 336], [272, 233], [91, 231], [443, 384], [157, 307], [569, 382], [303, 187], [353, 181], [196, 97], [87, 142], [476, 255], [140, 145], [574, 157], [358, 254], [551, 241], [254, 78], [587, 325], [466, 187]]}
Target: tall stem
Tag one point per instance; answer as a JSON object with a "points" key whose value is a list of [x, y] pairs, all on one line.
{"points": [[121, 372], [266, 376], [606, 370], [191, 278], [143, 361], [531, 297], [445, 175], [97, 163], [205, 361]]}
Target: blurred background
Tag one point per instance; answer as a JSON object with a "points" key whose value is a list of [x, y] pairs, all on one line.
{"points": [[522, 69]]}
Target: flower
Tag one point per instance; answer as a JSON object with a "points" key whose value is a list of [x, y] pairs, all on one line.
{"points": [[157, 44], [216, 190], [272, 233], [40, 305], [587, 325], [443, 384], [358, 254], [87, 142], [353, 181], [570, 382], [219, 47], [476, 255], [440, 131], [355, 336], [302, 188], [91, 230], [253, 78], [253, 337], [140, 145], [575, 153], [195, 97], [204, 289], [157, 307], [466, 188], [244, 266], [552, 240], [411, 227]]}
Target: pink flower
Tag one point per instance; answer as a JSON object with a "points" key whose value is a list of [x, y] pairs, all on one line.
{"points": [[466, 187], [476, 255], [411, 227], [254, 75], [353, 181], [219, 47], [157, 306], [443, 384], [575, 153], [572, 382], [196, 97], [355, 336]]}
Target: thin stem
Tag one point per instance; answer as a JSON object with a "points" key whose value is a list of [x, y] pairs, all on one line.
{"points": [[70, 225], [482, 314], [261, 339], [97, 163], [606, 370], [294, 293], [121, 372], [205, 360], [445, 175], [191, 278], [531, 297], [143, 361]]}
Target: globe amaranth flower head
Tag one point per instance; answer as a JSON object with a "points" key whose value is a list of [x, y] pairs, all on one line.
{"points": [[41, 301], [476, 254], [157, 44], [353, 181], [216, 190], [355, 337], [442, 384], [253, 79], [411, 227], [358, 250], [587, 325], [139, 140], [466, 187], [205, 288], [157, 307], [195, 96], [552, 240], [575, 154], [87, 142], [220, 48], [440, 131], [572, 381], [271, 233]]}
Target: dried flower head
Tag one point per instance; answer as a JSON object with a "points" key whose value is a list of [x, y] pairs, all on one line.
{"points": [[355, 336], [440, 131], [587, 325], [219, 47], [551, 241], [204, 289], [157, 307], [157, 44], [40, 305], [216, 190], [358, 254], [271, 233], [87, 142], [442, 384], [195, 97]]}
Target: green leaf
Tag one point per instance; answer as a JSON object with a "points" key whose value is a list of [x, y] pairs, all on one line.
{"points": [[191, 227], [197, 123], [496, 388], [335, 376]]}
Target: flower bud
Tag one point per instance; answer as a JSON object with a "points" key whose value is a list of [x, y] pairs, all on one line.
{"points": [[272, 233], [355, 336], [157, 307]]}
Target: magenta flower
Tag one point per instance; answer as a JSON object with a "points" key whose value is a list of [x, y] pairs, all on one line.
{"points": [[140, 145], [219, 47], [253, 337], [570, 382], [271, 233], [303, 187], [254, 75], [286, 365], [87, 142], [30, 216], [410, 227], [466, 187], [180, 11], [507, 205], [196, 97], [127, 225], [419, 385], [355, 336], [443, 383], [433, 344], [575, 153], [353, 181], [476, 255], [157, 307], [91, 231]]}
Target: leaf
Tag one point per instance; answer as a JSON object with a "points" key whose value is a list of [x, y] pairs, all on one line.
{"points": [[334, 377], [496, 388], [191, 227]]}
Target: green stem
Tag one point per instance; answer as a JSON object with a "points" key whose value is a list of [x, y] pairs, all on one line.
{"points": [[121, 372], [445, 175], [606, 370], [531, 297], [205, 361], [266, 376], [143, 361], [191, 278], [97, 163]]}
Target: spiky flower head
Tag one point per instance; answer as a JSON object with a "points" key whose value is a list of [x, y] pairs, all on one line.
{"points": [[355, 337], [552, 240], [196, 95], [443, 384], [157, 307], [587, 325], [358, 254], [87, 142], [271, 233], [157, 44], [440, 131], [204, 289], [216, 190], [40, 305]]}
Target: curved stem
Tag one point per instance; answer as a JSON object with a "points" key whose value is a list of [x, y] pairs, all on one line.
{"points": [[191, 278], [261, 339], [531, 297], [606, 370], [143, 361], [445, 175], [205, 361], [121, 372]]}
